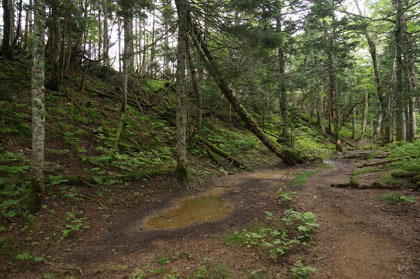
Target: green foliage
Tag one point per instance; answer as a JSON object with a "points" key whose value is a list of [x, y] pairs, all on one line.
{"points": [[212, 271], [300, 271], [312, 144], [75, 224], [258, 274], [303, 177], [280, 235], [284, 197], [396, 198]]}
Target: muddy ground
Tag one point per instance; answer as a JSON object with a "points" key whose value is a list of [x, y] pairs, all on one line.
{"points": [[359, 236]]}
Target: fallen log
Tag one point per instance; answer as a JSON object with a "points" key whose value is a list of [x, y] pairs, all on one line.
{"points": [[386, 161], [354, 184]]}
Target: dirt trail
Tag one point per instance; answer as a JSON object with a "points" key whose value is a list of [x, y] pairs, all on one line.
{"points": [[358, 237]]}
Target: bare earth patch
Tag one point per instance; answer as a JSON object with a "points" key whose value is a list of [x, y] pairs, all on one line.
{"points": [[359, 236]]}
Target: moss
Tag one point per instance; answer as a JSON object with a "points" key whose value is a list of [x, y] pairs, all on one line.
{"points": [[33, 198], [181, 174]]}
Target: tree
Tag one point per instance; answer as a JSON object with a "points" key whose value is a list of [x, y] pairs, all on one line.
{"points": [[36, 190], [7, 28], [181, 116]]}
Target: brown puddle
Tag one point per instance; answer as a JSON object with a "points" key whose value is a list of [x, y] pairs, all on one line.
{"points": [[202, 209]]}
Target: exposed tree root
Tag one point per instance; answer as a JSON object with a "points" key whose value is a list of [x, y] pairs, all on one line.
{"points": [[355, 184]]}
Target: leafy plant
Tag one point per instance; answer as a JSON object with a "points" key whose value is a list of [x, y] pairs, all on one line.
{"points": [[395, 198], [212, 271], [258, 274], [300, 271], [284, 197], [279, 236]]}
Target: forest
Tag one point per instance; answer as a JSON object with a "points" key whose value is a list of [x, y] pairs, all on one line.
{"points": [[209, 139]]}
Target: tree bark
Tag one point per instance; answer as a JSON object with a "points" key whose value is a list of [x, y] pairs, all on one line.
{"points": [[196, 89], [365, 114], [106, 35], [181, 100], [399, 109], [5, 47], [36, 190], [332, 82], [284, 137]]}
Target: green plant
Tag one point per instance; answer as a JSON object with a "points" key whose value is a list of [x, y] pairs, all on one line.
{"points": [[280, 235], [303, 177], [395, 198], [284, 197], [212, 271], [258, 274], [75, 225], [300, 271], [138, 274]]}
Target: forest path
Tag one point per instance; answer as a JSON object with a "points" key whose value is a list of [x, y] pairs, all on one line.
{"points": [[358, 236]]}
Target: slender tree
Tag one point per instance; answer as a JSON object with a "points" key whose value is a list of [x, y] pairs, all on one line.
{"points": [[181, 99], [36, 190]]}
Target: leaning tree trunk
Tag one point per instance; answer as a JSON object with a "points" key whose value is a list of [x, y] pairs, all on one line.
{"points": [[181, 100], [290, 157], [36, 190]]}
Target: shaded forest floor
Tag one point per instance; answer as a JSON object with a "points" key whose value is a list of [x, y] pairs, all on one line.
{"points": [[359, 236]]}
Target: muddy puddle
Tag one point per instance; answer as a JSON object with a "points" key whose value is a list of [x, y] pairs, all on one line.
{"points": [[189, 211]]}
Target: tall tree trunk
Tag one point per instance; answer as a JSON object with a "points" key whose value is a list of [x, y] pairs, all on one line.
{"points": [[6, 47], [354, 119], [399, 109], [365, 114], [36, 190], [290, 157], [19, 26], [106, 35], [284, 137], [181, 100], [54, 83], [196, 89], [410, 70], [332, 82]]}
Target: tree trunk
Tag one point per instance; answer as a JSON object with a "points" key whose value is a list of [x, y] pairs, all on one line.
{"points": [[399, 109], [36, 190], [106, 35], [290, 157], [196, 89], [6, 47], [284, 137], [332, 82], [365, 114], [54, 83], [181, 100]]}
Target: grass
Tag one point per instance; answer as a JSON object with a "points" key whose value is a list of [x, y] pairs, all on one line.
{"points": [[303, 177]]}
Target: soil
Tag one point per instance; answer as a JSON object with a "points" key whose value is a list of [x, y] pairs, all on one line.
{"points": [[359, 236]]}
